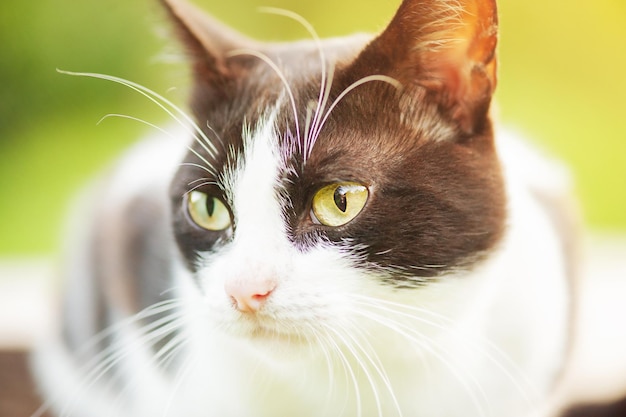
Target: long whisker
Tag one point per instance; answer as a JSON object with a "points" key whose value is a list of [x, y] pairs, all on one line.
{"points": [[202, 167], [384, 78], [370, 302], [481, 345], [346, 364], [158, 100], [157, 361], [372, 356], [178, 381], [153, 332], [263, 57], [322, 103], [217, 135], [108, 358], [136, 119], [208, 167], [323, 84], [308, 124], [85, 348], [363, 366], [180, 376], [201, 185], [320, 343], [152, 310], [412, 335], [168, 352]]}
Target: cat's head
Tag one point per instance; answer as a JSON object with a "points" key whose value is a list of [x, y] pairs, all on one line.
{"points": [[328, 176]]}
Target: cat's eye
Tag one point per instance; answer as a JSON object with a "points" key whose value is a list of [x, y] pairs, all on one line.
{"points": [[336, 204], [207, 211]]}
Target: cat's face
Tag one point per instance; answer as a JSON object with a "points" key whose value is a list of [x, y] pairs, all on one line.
{"points": [[319, 187]]}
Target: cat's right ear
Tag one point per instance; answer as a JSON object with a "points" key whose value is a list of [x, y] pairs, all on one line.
{"points": [[208, 42], [447, 48]]}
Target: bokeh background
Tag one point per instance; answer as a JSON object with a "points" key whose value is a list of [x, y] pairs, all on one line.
{"points": [[562, 83]]}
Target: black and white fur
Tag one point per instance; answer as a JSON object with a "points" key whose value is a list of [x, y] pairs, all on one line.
{"points": [[448, 295]]}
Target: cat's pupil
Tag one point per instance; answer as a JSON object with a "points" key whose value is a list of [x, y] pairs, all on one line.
{"points": [[340, 199], [210, 206]]}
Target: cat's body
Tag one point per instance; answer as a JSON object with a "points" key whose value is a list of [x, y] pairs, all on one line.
{"points": [[432, 282]]}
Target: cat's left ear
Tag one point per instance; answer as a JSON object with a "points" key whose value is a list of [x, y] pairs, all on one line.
{"points": [[446, 46], [208, 43]]}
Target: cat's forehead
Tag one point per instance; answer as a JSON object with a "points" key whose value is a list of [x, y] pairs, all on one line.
{"points": [[294, 75], [323, 113]]}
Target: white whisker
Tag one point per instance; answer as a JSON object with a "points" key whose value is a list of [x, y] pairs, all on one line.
{"points": [[134, 381], [178, 381], [201, 185], [208, 167], [217, 136], [263, 57], [378, 366], [321, 345], [325, 84], [104, 360], [198, 180], [167, 354], [202, 167], [155, 331], [161, 102], [183, 371], [303, 148], [348, 343], [107, 359], [322, 103], [383, 78], [152, 310], [429, 345], [348, 367], [481, 345]]}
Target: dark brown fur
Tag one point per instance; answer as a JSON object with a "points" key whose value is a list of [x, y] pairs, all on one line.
{"points": [[437, 199], [609, 409]]}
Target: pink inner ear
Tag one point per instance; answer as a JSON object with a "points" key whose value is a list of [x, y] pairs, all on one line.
{"points": [[446, 46], [463, 64]]}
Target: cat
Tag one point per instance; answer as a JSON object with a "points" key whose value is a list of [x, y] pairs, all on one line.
{"points": [[341, 229]]}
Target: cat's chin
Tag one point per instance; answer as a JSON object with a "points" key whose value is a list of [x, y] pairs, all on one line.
{"points": [[267, 332]]}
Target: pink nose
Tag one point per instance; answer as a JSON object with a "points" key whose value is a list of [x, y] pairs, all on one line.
{"points": [[249, 296]]}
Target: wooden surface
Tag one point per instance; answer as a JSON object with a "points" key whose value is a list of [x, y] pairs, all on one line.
{"points": [[18, 396], [614, 409]]}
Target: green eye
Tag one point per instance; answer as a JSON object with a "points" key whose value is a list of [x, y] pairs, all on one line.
{"points": [[336, 204], [208, 212]]}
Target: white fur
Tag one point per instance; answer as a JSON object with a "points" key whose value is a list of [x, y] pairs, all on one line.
{"points": [[485, 343]]}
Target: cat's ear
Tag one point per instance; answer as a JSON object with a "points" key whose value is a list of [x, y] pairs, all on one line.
{"points": [[447, 47], [208, 41]]}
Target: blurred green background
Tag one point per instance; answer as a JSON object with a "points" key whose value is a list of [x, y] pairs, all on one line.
{"points": [[562, 82]]}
